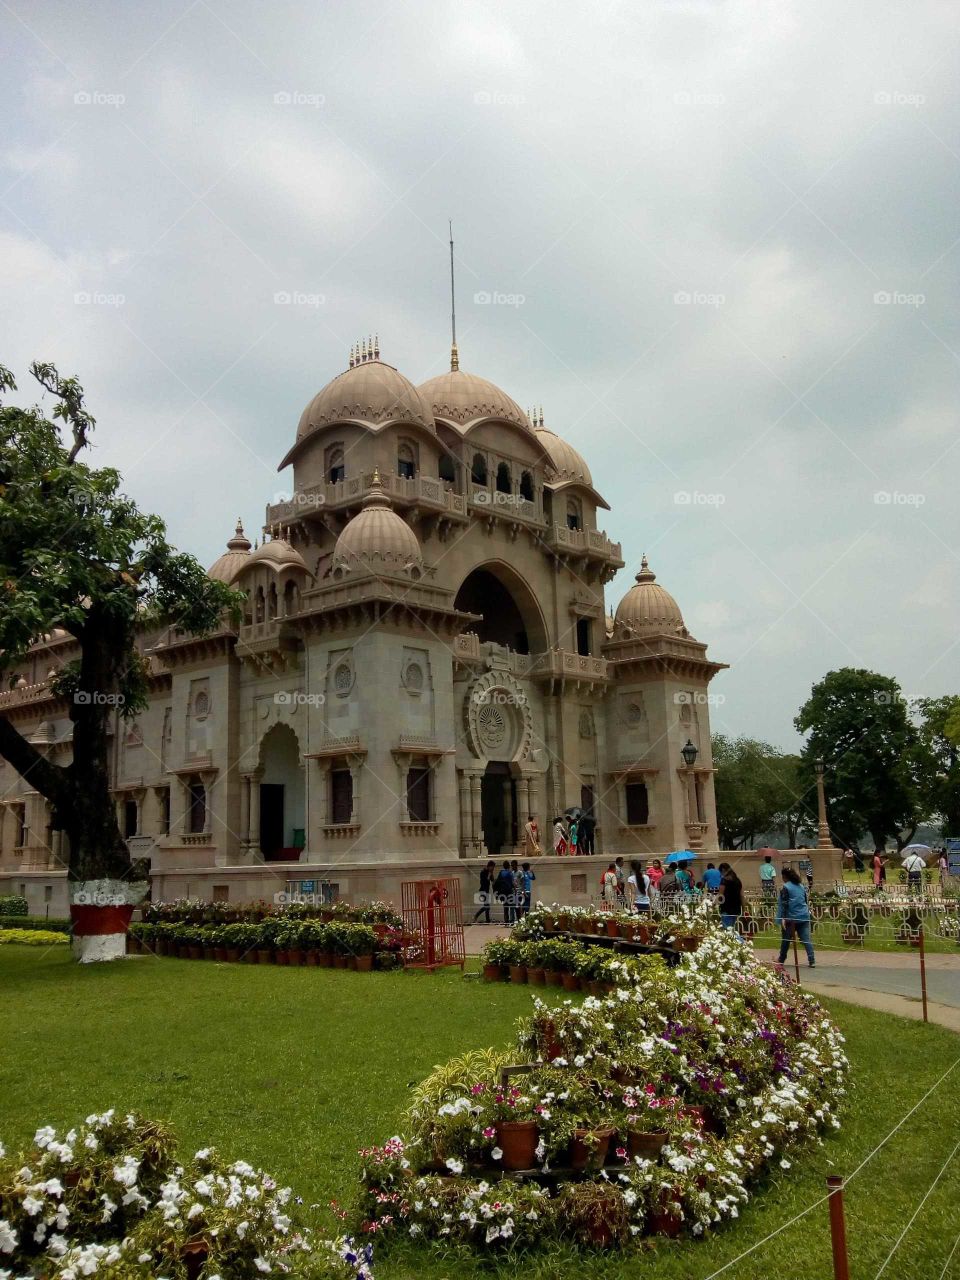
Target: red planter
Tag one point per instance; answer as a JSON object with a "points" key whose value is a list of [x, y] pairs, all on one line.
{"points": [[518, 1140], [554, 978], [295, 957], [194, 953], [364, 964], [209, 953], [312, 958], [492, 973], [570, 982], [264, 957], [232, 955], [220, 953], [325, 959], [339, 962], [646, 1145], [518, 973], [665, 1224], [612, 928], [536, 977]]}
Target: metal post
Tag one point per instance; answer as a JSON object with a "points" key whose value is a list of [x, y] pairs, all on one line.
{"points": [[838, 1230], [923, 974]]}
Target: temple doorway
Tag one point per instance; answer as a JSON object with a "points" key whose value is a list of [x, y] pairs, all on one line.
{"points": [[281, 796], [498, 809]]}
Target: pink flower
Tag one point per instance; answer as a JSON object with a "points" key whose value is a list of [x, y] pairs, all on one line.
{"points": [[622, 1152], [489, 1132]]}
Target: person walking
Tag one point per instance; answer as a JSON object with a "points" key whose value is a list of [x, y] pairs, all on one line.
{"points": [[503, 888], [768, 877], [559, 837], [527, 878], [793, 916], [731, 896], [573, 836], [585, 832], [608, 885], [486, 892], [914, 866], [531, 838], [879, 869], [638, 889], [655, 872], [621, 878], [943, 866]]}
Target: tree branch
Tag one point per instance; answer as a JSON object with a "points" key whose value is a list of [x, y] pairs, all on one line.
{"points": [[32, 766]]}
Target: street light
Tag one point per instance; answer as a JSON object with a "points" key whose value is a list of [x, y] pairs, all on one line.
{"points": [[689, 753], [824, 839]]}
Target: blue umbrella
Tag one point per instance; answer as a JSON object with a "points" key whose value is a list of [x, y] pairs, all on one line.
{"points": [[680, 855]]}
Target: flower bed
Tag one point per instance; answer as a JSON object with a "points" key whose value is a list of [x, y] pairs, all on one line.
{"points": [[110, 1198], [52, 925], [276, 940], [34, 937], [650, 1111], [196, 911]]}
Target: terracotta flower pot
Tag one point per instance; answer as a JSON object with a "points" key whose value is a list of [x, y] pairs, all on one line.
{"points": [[295, 956], [281, 957], [312, 958], [554, 978], [564, 924], [587, 1154], [492, 973], [325, 959], [612, 928], [339, 962], [665, 1224], [646, 1145], [220, 953], [194, 1254], [364, 964], [209, 953], [642, 933], [133, 945], [570, 982], [264, 956], [595, 988], [232, 954], [518, 973], [536, 977], [518, 1140], [194, 953], [689, 944]]}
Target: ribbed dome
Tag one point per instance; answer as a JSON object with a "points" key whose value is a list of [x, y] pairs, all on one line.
{"points": [[377, 538], [233, 559], [370, 392], [463, 399], [648, 608], [278, 554], [568, 464]]}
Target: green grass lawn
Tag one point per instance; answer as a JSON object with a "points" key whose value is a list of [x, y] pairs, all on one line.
{"points": [[828, 936], [294, 1069]]}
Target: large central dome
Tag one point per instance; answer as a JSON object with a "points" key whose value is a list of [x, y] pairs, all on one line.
{"points": [[464, 399]]}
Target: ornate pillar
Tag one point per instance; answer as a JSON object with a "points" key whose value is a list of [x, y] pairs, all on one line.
{"points": [[403, 766], [253, 815], [463, 784], [244, 808], [523, 802], [208, 777], [356, 764], [324, 766]]}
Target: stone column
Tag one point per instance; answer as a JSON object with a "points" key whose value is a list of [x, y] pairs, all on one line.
{"points": [[253, 830], [523, 802], [476, 814], [323, 769], [356, 764], [244, 808], [403, 765], [208, 778], [464, 792]]}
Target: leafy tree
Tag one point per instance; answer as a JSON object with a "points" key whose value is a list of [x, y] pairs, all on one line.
{"points": [[939, 728], [858, 724], [76, 553], [757, 790]]}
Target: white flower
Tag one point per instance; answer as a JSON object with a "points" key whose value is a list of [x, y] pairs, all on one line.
{"points": [[496, 1153], [455, 1166]]}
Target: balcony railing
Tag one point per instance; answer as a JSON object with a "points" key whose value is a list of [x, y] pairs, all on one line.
{"points": [[421, 491], [590, 542]]}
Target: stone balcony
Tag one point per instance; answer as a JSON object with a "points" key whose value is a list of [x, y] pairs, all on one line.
{"points": [[587, 544], [423, 493], [552, 665]]}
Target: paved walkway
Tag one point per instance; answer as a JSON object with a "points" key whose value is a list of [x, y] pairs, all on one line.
{"points": [[888, 981]]}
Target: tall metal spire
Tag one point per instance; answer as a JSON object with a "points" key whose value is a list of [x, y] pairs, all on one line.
{"points": [[454, 353]]}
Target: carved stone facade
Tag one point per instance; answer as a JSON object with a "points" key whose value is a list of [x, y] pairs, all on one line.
{"points": [[424, 660]]}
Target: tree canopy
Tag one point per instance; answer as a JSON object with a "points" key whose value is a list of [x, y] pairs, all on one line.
{"points": [[76, 553], [757, 791]]}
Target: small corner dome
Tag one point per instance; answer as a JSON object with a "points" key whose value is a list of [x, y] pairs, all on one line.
{"points": [[277, 554], [226, 568], [369, 392], [566, 461], [463, 399], [648, 608], [377, 537]]}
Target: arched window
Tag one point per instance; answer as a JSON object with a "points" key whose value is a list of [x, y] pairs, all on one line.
{"points": [[272, 601], [336, 468], [446, 470], [406, 461], [478, 469], [260, 609], [504, 478], [290, 601], [526, 486], [574, 520]]}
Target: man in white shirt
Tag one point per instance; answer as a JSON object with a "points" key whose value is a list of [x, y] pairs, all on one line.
{"points": [[914, 866]]}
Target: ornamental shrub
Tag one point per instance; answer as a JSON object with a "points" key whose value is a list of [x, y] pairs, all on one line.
{"points": [[12, 905], [34, 937], [54, 924]]}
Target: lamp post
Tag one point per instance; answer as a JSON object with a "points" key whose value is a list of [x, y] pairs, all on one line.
{"points": [[823, 827], [689, 754]]}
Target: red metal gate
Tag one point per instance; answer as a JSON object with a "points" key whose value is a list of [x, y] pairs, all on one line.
{"points": [[433, 922]]}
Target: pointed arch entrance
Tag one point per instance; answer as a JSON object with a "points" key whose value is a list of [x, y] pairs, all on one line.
{"points": [[508, 607], [282, 810]]}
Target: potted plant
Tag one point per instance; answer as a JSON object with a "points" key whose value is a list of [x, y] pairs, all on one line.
{"points": [[595, 1212], [236, 939], [295, 942], [517, 1127], [364, 942], [497, 957]]}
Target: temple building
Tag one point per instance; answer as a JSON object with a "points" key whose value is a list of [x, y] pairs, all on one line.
{"points": [[424, 660]]}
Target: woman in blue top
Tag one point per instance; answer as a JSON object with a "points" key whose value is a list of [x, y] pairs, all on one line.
{"points": [[793, 915]]}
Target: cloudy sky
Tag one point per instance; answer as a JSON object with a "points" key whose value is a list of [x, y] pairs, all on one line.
{"points": [[721, 242]]}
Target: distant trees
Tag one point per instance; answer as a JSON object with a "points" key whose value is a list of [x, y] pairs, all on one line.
{"points": [[757, 790]]}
